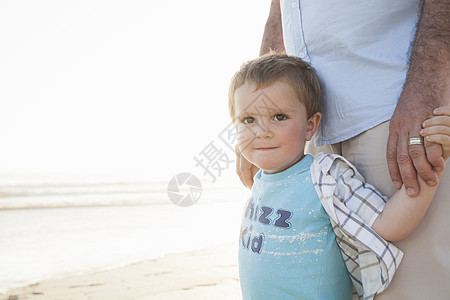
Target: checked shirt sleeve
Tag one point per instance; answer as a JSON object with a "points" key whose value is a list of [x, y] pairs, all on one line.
{"points": [[353, 205]]}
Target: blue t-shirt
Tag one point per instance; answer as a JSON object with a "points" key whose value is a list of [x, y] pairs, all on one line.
{"points": [[287, 245]]}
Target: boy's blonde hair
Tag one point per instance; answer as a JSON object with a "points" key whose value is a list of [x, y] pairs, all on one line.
{"points": [[271, 68]]}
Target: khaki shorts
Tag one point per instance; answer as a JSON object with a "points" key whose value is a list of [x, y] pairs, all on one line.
{"points": [[425, 270]]}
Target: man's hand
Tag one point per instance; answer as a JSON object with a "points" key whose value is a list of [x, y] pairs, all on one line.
{"points": [[406, 162], [424, 91], [245, 169]]}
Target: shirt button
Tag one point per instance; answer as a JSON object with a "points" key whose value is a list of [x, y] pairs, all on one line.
{"points": [[294, 4]]}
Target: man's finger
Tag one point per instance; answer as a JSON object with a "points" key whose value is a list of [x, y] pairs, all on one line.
{"points": [[406, 167], [391, 157], [434, 156], [243, 169], [247, 178], [423, 167], [238, 164]]}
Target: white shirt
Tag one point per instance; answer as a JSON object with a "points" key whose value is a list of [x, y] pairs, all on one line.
{"points": [[360, 50], [353, 205]]}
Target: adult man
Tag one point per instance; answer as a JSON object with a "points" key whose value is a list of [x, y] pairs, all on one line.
{"points": [[370, 75]]}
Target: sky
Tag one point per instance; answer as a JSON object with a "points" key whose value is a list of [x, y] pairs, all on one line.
{"points": [[120, 87]]}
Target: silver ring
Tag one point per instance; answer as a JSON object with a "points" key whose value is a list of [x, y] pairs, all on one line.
{"points": [[415, 141]]}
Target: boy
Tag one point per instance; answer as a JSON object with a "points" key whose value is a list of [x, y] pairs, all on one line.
{"points": [[300, 205]]}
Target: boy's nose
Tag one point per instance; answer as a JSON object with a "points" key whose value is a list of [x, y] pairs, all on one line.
{"points": [[263, 132]]}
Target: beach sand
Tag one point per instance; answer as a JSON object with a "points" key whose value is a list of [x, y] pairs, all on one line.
{"points": [[209, 273]]}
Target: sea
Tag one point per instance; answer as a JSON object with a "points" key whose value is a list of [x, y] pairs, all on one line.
{"points": [[58, 225]]}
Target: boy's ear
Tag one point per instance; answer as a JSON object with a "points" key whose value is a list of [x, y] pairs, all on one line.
{"points": [[313, 124]]}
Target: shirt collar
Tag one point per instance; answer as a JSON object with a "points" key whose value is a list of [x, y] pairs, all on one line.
{"points": [[302, 166]]}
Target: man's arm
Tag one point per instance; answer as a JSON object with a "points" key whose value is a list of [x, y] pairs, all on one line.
{"points": [[424, 90], [402, 213], [273, 32]]}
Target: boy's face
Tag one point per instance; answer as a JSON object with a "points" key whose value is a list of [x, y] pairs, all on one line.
{"points": [[272, 125]]}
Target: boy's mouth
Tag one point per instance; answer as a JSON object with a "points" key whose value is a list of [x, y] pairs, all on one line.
{"points": [[265, 148]]}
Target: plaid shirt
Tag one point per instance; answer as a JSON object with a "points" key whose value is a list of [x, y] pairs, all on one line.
{"points": [[353, 205]]}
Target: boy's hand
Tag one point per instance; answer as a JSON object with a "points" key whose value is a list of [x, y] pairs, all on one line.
{"points": [[245, 169], [436, 130]]}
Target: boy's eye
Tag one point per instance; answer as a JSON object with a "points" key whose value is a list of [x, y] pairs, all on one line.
{"points": [[280, 117], [248, 120]]}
